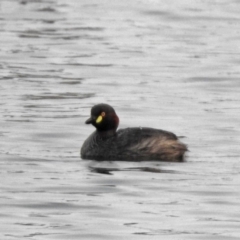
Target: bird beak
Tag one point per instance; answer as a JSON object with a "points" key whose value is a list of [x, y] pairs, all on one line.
{"points": [[88, 121]]}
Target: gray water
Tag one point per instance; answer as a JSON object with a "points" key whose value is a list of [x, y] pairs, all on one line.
{"points": [[165, 64]]}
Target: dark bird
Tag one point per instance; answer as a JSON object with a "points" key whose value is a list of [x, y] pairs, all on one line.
{"points": [[130, 144]]}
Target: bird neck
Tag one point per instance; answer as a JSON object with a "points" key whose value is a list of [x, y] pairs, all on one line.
{"points": [[106, 134]]}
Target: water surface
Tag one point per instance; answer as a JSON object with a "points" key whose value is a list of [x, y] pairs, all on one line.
{"points": [[163, 64]]}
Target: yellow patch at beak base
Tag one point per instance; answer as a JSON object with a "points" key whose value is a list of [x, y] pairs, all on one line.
{"points": [[99, 119]]}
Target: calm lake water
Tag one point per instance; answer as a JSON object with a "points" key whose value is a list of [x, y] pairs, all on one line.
{"points": [[167, 64]]}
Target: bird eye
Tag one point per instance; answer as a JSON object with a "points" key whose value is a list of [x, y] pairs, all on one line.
{"points": [[100, 117]]}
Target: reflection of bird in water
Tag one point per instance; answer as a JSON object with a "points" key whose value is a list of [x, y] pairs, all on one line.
{"points": [[130, 144]]}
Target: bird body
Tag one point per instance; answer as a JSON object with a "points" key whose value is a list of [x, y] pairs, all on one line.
{"points": [[130, 144]]}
